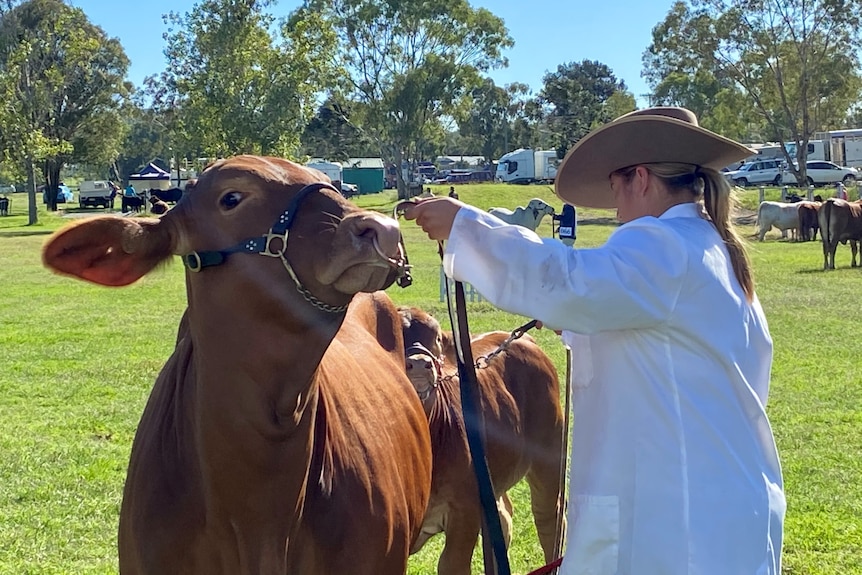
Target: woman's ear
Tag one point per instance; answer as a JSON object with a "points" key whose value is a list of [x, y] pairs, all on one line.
{"points": [[640, 180]]}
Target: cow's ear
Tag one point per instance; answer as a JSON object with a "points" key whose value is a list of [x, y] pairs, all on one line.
{"points": [[108, 251], [447, 343]]}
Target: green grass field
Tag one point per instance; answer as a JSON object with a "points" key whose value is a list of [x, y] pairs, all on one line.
{"points": [[78, 362]]}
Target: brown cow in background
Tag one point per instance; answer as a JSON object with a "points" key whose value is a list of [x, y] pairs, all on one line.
{"points": [[808, 224], [523, 429], [840, 221], [283, 435]]}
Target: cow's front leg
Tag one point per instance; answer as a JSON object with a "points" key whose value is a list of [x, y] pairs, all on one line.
{"points": [[462, 533]]}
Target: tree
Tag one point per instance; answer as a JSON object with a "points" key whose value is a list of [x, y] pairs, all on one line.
{"points": [[234, 84], [485, 117], [578, 98], [146, 137], [331, 134], [62, 81], [794, 60], [406, 64]]}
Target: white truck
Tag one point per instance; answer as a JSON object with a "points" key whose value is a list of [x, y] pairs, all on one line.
{"points": [[332, 169], [97, 193], [524, 166]]}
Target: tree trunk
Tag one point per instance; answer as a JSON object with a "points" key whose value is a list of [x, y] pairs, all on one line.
{"points": [[52, 181], [399, 176], [31, 193]]}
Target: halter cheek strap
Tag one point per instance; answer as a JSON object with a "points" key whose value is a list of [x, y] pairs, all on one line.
{"points": [[280, 230], [263, 245], [196, 261]]}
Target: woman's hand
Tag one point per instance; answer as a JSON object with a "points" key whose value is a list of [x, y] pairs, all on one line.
{"points": [[540, 325], [434, 215]]}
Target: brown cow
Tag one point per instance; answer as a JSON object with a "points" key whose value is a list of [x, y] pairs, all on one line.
{"points": [[808, 225], [520, 399], [157, 206], [283, 435], [840, 221]]}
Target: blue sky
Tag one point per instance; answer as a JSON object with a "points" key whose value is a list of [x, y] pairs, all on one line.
{"points": [[546, 33]]}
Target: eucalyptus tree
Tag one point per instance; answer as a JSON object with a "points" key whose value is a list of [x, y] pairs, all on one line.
{"points": [[794, 60], [333, 136], [580, 96], [62, 82], [237, 83], [485, 115], [407, 63]]}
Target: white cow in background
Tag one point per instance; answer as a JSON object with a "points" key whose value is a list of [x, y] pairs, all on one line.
{"points": [[528, 217], [780, 215]]}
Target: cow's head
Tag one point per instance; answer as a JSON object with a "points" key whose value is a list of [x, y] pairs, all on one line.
{"points": [[425, 344], [331, 251], [539, 206]]}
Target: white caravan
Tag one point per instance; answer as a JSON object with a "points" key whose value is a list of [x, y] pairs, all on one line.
{"points": [[524, 166], [331, 169]]}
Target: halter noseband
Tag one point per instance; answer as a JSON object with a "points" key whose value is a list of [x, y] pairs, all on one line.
{"points": [[417, 348], [196, 261]]}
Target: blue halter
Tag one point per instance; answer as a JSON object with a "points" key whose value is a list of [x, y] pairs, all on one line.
{"points": [[196, 261]]}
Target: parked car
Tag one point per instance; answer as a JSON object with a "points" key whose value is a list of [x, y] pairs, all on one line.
{"points": [[4, 189], [64, 194], [349, 190], [97, 193], [756, 172], [823, 173]]}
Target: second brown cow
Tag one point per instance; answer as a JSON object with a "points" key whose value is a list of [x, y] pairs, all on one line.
{"points": [[523, 429]]}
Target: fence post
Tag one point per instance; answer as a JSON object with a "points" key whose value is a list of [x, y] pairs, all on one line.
{"points": [[810, 193], [470, 293], [783, 193], [762, 194]]}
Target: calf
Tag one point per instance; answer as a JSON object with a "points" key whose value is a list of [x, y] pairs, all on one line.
{"points": [[132, 204], [523, 426], [158, 206], [778, 214], [808, 225], [840, 221]]}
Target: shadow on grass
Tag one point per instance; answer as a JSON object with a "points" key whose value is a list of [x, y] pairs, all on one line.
{"points": [[842, 269], [24, 233], [598, 222]]}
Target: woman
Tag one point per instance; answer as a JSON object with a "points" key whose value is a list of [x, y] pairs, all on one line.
{"points": [[674, 467]]}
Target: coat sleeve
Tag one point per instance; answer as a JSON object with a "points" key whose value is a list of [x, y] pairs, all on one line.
{"points": [[631, 282]]}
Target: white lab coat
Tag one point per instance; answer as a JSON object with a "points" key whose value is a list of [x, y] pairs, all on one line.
{"points": [[674, 468]]}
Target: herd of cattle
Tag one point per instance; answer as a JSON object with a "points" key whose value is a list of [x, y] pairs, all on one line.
{"points": [[837, 221], [309, 426]]}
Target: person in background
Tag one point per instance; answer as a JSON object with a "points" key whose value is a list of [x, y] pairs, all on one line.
{"points": [[568, 224], [452, 192], [840, 191], [130, 192], [674, 467]]}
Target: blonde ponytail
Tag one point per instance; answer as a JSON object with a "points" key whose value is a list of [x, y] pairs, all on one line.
{"points": [[719, 201]]}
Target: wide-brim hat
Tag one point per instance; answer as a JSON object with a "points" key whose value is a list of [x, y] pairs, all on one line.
{"points": [[652, 135]]}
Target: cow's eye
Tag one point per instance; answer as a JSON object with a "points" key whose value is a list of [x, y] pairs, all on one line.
{"points": [[230, 200]]}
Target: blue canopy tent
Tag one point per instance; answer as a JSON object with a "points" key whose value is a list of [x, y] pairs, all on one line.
{"points": [[151, 177]]}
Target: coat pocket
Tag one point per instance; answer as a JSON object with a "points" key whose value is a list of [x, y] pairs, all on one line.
{"points": [[582, 358], [593, 545]]}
